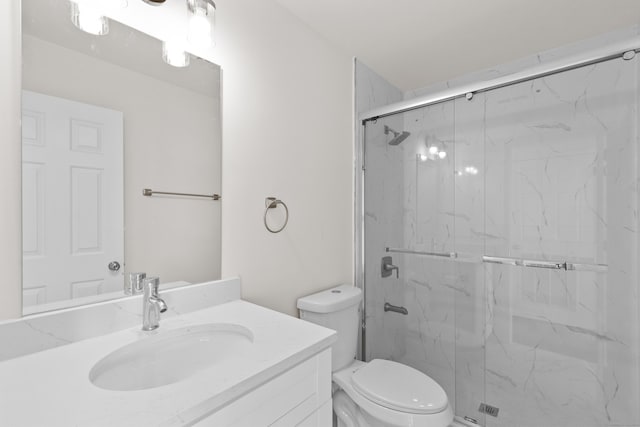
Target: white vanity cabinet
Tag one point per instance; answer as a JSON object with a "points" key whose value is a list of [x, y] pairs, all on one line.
{"points": [[300, 396], [279, 376]]}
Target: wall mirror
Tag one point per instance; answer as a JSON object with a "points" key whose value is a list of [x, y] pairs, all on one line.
{"points": [[104, 117]]}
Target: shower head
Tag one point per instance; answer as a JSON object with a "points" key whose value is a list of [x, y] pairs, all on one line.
{"points": [[397, 136]]}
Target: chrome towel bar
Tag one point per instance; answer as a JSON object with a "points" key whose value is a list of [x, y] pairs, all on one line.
{"points": [[436, 254], [149, 192], [516, 262], [553, 265]]}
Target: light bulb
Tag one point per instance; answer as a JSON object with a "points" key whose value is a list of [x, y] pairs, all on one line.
{"points": [[201, 22], [199, 31], [423, 157], [88, 19], [433, 150], [174, 54], [442, 154]]}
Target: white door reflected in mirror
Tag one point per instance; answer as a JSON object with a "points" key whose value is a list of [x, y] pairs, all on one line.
{"points": [[72, 199]]}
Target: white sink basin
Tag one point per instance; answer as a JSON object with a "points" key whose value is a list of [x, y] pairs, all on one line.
{"points": [[170, 356]]}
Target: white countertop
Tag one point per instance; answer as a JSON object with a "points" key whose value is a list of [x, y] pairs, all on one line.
{"points": [[52, 388]]}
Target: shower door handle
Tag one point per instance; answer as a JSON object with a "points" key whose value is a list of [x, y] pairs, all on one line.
{"points": [[544, 264]]}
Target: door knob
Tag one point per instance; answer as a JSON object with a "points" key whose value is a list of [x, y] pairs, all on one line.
{"points": [[114, 266]]}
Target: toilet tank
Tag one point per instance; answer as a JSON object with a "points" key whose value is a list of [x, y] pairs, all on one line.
{"points": [[338, 309]]}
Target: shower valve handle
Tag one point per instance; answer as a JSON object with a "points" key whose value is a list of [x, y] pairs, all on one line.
{"points": [[388, 267]]}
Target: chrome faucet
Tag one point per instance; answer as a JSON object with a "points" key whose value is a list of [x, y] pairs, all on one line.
{"points": [[152, 304]]}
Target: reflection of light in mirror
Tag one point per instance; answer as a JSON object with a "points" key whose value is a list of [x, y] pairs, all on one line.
{"points": [[174, 54], [88, 19], [433, 153], [468, 170], [471, 170], [201, 22]]}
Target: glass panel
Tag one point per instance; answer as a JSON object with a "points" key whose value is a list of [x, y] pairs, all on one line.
{"points": [[409, 205], [470, 304], [561, 180]]}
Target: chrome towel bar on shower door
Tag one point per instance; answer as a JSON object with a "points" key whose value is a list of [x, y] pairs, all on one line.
{"points": [[517, 262], [553, 265], [436, 254]]}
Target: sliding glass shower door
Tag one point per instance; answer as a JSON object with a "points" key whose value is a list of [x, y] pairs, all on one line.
{"points": [[413, 219], [512, 217], [561, 204]]}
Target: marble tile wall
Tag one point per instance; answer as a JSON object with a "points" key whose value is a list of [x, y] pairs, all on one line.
{"points": [[542, 170], [383, 212], [562, 346], [383, 196]]}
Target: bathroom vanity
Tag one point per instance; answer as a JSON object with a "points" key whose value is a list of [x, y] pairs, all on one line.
{"points": [[231, 364]]}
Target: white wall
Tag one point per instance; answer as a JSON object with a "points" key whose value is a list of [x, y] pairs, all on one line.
{"points": [[10, 159], [172, 143], [287, 132]]}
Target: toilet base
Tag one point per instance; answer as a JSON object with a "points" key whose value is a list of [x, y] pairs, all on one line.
{"points": [[346, 412]]}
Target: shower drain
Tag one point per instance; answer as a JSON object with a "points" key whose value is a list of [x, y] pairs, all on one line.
{"points": [[488, 409]]}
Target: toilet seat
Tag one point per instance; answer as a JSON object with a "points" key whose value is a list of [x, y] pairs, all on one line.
{"points": [[388, 416], [399, 387]]}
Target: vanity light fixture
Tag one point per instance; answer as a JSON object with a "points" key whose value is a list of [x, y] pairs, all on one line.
{"points": [[174, 54], [201, 22], [88, 19]]}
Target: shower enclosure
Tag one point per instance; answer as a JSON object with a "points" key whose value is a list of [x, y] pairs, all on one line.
{"points": [[512, 216]]}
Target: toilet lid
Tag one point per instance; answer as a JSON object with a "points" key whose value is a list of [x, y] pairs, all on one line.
{"points": [[399, 387]]}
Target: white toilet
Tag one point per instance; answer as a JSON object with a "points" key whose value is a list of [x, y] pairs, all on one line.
{"points": [[380, 393]]}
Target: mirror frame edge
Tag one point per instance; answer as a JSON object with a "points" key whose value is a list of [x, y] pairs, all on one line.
{"points": [[11, 159]]}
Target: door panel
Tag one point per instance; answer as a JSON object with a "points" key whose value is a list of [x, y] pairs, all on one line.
{"points": [[72, 198]]}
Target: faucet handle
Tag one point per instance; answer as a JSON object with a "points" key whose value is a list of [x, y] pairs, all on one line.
{"points": [[133, 284], [150, 286]]}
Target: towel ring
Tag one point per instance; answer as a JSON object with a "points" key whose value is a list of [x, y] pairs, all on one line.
{"points": [[272, 203]]}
